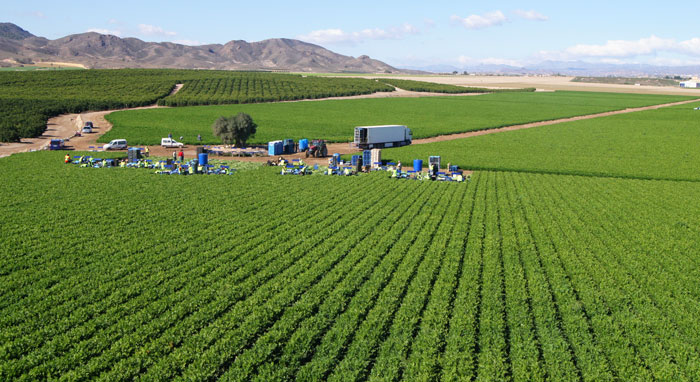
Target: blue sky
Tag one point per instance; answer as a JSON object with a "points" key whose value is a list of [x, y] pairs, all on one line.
{"points": [[401, 33]]}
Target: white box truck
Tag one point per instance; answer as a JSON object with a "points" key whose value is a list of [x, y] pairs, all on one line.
{"points": [[370, 137]]}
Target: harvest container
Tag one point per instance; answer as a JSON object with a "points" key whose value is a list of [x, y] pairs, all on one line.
{"points": [[366, 157], [303, 144], [203, 159], [354, 159], [418, 165]]}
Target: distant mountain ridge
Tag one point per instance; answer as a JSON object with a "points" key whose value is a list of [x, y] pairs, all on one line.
{"points": [[95, 50], [568, 68]]}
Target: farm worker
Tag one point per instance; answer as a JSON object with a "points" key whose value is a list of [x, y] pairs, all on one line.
{"points": [[181, 154], [67, 158], [170, 135], [301, 162], [199, 137], [398, 166], [174, 156], [146, 151]]}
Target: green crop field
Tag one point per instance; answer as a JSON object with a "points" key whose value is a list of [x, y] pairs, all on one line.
{"points": [[120, 274], [267, 87], [656, 144], [28, 99], [335, 120]]}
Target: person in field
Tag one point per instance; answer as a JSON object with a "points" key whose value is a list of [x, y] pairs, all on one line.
{"points": [[67, 158], [181, 154]]}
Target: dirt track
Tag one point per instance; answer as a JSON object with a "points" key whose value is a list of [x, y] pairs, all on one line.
{"points": [[64, 126]]}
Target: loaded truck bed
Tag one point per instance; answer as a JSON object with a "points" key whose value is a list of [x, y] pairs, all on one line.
{"points": [[368, 137]]}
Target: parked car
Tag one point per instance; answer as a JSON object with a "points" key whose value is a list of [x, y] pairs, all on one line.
{"points": [[56, 144], [169, 142], [116, 144], [87, 128]]}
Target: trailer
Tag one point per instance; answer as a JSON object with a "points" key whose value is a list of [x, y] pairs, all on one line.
{"points": [[369, 137]]}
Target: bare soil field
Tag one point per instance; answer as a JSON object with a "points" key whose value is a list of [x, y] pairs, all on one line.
{"points": [[546, 83]]}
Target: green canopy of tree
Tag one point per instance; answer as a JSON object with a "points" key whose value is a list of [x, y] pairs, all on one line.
{"points": [[235, 129]]}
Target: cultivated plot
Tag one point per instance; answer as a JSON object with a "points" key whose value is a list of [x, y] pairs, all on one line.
{"points": [[509, 277], [334, 120], [654, 144]]}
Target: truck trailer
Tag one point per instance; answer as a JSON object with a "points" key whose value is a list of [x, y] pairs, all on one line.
{"points": [[370, 137]]}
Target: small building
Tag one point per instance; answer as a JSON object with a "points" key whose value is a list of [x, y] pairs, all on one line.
{"points": [[690, 84]]}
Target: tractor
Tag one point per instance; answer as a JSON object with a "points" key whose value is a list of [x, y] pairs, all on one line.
{"points": [[317, 149]]}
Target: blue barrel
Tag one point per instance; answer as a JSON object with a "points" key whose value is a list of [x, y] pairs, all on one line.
{"points": [[336, 158], [303, 144], [203, 159], [418, 165], [354, 160]]}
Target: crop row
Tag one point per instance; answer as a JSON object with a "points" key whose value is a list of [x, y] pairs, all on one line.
{"points": [[614, 146], [28, 99], [268, 88], [511, 276]]}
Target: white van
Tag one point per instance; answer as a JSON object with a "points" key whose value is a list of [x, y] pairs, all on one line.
{"points": [[169, 142], [116, 144]]}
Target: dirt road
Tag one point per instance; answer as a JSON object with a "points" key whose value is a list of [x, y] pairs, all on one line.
{"points": [[64, 126]]}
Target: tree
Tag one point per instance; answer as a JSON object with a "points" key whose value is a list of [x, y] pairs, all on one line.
{"points": [[235, 129]]}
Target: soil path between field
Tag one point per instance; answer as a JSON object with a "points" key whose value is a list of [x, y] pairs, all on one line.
{"points": [[65, 126]]}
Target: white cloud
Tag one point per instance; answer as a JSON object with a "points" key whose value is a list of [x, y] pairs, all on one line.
{"points": [[623, 48], [481, 21], [531, 15], [465, 60], [649, 46], [152, 30], [339, 36], [429, 23], [653, 50], [105, 31], [691, 46], [188, 42]]}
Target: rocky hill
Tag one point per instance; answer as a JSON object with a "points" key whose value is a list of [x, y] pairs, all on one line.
{"points": [[95, 50]]}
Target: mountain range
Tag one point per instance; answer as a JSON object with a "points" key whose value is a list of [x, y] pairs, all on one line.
{"points": [[95, 50], [568, 68]]}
